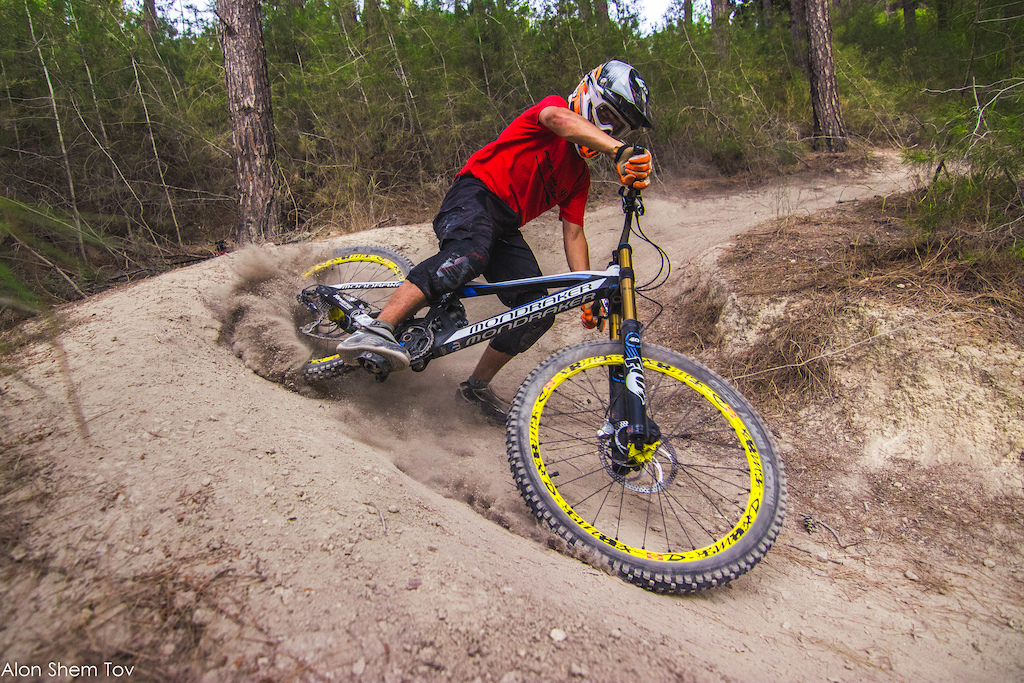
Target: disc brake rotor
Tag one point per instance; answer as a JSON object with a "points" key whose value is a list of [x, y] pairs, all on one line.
{"points": [[656, 475]]}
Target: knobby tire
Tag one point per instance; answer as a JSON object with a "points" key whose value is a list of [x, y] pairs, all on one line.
{"points": [[702, 511]]}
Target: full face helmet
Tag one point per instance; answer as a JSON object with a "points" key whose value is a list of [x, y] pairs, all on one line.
{"points": [[614, 98]]}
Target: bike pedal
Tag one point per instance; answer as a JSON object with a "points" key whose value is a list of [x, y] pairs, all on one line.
{"points": [[375, 364]]}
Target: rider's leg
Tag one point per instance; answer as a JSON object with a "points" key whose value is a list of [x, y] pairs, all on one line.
{"points": [[512, 259], [379, 337], [477, 388], [466, 226], [489, 364], [458, 262], [403, 304]]}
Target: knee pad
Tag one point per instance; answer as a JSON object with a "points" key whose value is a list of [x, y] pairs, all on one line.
{"points": [[448, 270], [454, 272]]}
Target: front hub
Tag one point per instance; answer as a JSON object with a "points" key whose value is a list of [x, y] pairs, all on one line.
{"points": [[626, 455]]}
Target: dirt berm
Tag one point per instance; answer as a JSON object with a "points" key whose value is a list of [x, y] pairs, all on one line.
{"points": [[173, 500]]}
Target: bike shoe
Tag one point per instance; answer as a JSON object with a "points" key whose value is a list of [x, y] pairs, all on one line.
{"points": [[375, 339], [491, 405]]}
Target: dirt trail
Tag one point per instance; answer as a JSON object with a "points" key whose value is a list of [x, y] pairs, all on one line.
{"points": [[215, 525]]}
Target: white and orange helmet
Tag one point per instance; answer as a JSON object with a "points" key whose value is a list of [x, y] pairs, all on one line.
{"points": [[612, 97]]}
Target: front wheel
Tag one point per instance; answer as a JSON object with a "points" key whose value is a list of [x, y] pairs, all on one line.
{"points": [[703, 509]]}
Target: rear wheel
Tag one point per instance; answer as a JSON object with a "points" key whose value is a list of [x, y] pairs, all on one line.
{"points": [[364, 265], [705, 505]]}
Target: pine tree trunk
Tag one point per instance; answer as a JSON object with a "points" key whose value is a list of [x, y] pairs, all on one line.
{"points": [[252, 119], [910, 21], [798, 30], [149, 16], [601, 12], [829, 129], [719, 25]]}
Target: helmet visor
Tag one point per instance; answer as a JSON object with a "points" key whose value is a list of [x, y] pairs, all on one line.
{"points": [[608, 116]]}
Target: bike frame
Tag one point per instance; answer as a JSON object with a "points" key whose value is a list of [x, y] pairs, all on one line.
{"points": [[452, 332], [579, 288]]}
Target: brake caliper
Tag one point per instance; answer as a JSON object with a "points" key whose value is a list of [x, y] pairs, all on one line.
{"points": [[638, 457]]}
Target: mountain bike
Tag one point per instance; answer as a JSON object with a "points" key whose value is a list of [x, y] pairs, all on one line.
{"points": [[630, 451]]}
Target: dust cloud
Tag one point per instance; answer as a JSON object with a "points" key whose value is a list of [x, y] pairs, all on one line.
{"points": [[258, 311], [432, 435], [417, 419]]}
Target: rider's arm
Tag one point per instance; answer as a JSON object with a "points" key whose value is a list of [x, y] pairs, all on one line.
{"points": [[633, 170], [568, 124], [577, 252]]}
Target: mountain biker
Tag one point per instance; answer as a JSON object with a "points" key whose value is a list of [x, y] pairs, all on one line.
{"points": [[536, 163]]}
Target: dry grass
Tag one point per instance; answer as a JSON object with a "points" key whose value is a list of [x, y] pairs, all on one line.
{"points": [[869, 250], [828, 266], [793, 358], [690, 323]]}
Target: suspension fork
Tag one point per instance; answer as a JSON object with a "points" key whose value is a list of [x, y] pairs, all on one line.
{"points": [[635, 432]]}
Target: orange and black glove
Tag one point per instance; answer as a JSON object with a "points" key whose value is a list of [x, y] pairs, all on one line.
{"points": [[634, 167], [593, 315]]}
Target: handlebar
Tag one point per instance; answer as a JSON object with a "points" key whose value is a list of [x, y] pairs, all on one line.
{"points": [[631, 201]]}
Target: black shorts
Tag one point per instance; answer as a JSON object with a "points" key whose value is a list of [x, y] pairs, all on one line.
{"points": [[478, 234]]}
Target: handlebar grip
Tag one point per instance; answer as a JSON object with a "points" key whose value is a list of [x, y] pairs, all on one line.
{"points": [[630, 194]]}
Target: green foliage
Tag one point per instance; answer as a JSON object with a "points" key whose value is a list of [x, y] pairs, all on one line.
{"points": [[36, 262], [371, 114], [977, 151], [743, 111]]}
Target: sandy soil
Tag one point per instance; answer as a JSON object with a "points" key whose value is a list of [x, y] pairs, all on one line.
{"points": [[205, 522]]}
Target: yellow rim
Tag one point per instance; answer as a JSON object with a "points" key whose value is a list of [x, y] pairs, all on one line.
{"points": [[371, 258], [313, 361], [351, 258], [742, 433]]}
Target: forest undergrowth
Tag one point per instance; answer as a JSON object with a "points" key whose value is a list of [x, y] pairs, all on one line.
{"points": [[115, 143]]}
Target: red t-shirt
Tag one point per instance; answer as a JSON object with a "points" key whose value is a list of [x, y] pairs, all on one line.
{"points": [[532, 169]]}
